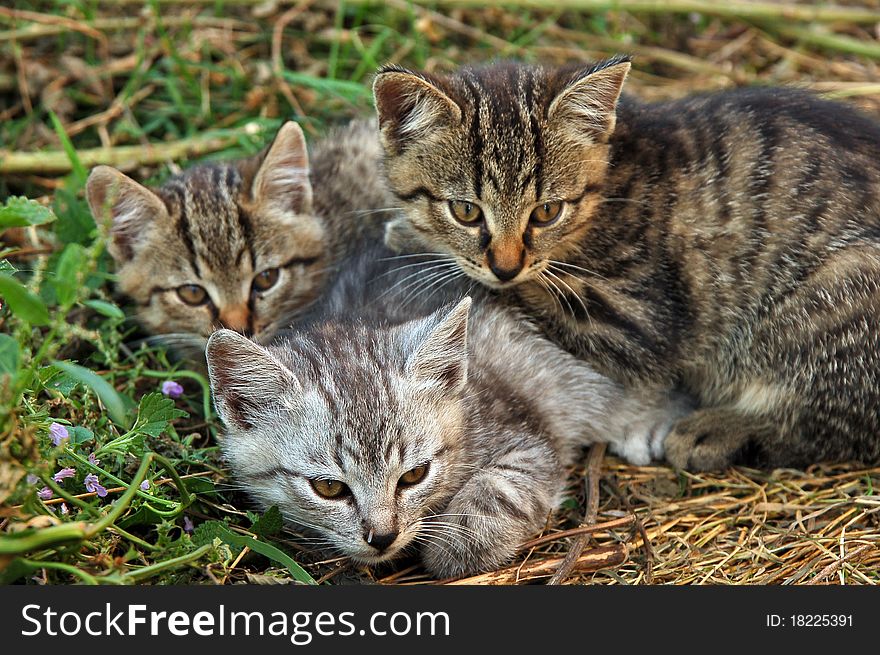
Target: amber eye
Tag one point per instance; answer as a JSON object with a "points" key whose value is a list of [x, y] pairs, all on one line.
{"points": [[330, 488], [265, 279], [192, 294], [413, 476], [465, 212], [546, 213]]}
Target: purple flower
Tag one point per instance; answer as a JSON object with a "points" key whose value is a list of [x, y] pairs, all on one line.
{"points": [[94, 461], [171, 389], [58, 432], [64, 473], [93, 486], [145, 485], [45, 493], [32, 479], [64, 509], [188, 526]]}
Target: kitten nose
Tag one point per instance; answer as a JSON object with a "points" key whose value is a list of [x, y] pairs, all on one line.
{"points": [[236, 318], [380, 541], [507, 267]]}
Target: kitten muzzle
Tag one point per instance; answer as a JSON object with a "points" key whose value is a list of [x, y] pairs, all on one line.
{"points": [[380, 541], [237, 318], [506, 265]]}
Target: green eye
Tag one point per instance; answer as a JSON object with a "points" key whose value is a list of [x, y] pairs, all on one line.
{"points": [[465, 212], [546, 213], [413, 476], [265, 280], [192, 294], [330, 488]]}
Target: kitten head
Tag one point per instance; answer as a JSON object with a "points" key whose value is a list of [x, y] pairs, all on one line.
{"points": [[354, 432], [220, 245], [498, 166]]}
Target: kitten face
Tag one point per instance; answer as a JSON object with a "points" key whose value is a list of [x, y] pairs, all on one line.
{"points": [[221, 245], [499, 167], [345, 445]]}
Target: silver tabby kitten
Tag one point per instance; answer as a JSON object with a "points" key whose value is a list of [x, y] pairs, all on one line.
{"points": [[384, 426]]}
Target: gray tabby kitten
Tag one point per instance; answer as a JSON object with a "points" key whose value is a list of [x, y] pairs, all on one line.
{"points": [[243, 244], [383, 425], [725, 244]]}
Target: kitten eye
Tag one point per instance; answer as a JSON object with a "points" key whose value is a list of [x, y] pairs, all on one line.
{"points": [[192, 294], [413, 476], [266, 279], [330, 488], [546, 213], [465, 212]]}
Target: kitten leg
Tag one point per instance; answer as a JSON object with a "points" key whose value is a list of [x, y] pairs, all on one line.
{"points": [[637, 424], [499, 508], [716, 438]]}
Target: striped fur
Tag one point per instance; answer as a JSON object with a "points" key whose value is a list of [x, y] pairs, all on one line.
{"points": [[371, 385], [219, 225], [725, 245]]}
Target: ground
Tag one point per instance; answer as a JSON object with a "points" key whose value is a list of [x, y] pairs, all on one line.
{"points": [[152, 86]]}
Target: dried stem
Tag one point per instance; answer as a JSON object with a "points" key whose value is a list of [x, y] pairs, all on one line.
{"points": [[124, 158], [594, 463]]}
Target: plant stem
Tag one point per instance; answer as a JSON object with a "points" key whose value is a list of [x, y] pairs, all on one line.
{"points": [[147, 571], [45, 538], [730, 9], [828, 40], [60, 566], [125, 158], [203, 383]]}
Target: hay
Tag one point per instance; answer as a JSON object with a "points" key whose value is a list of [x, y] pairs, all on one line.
{"points": [[820, 526]]}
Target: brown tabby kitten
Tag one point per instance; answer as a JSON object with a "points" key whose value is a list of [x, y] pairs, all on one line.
{"points": [[723, 244], [243, 244]]}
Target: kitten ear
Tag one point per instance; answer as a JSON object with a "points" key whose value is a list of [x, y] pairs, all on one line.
{"points": [[127, 206], [248, 383], [587, 106], [442, 357], [283, 178], [410, 107]]}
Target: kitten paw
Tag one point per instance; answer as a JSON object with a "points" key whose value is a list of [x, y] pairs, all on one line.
{"points": [[452, 559], [713, 439]]}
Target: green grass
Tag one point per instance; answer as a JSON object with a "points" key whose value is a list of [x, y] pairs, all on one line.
{"points": [[67, 352]]}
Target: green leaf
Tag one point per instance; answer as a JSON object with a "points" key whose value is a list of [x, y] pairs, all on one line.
{"points": [[10, 356], [79, 434], [75, 223], [67, 273], [208, 531], [145, 515], [112, 400], [54, 378], [199, 486], [105, 308], [155, 412], [24, 303], [79, 171], [16, 570], [269, 524], [19, 211]]}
